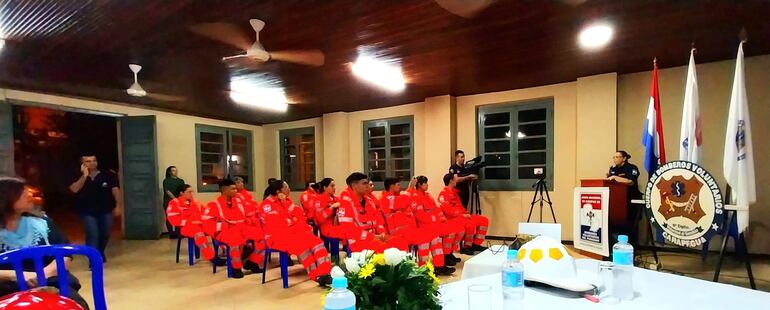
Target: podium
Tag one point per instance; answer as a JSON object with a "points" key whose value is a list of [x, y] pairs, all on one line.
{"points": [[618, 198]]}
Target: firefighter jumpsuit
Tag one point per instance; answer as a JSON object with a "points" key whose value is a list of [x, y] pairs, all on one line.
{"points": [[360, 222], [187, 215], [430, 216], [234, 224], [475, 226], [401, 222], [306, 200], [325, 216], [288, 233]]}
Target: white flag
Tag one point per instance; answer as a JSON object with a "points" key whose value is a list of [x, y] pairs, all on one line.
{"points": [[739, 158], [690, 137]]}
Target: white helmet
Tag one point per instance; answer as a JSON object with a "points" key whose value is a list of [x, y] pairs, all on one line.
{"points": [[547, 261]]}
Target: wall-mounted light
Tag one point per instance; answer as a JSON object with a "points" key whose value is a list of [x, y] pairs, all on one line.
{"points": [[244, 91], [380, 73]]}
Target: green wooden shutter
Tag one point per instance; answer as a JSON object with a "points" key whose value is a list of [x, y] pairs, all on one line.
{"points": [[6, 139], [140, 178]]}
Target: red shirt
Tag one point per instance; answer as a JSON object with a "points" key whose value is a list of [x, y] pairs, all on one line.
{"points": [[247, 196], [322, 212], [306, 200], [238, 212], [349, 218], [450, 203], [390, 203], [425, 208]]}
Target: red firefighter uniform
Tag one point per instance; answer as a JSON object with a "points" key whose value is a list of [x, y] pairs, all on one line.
{"points": [[361, 224], [186, 214], [430, 216], [325, 216], [475, 225], [292, 234], [234, 224], [247, 196], [401, 222], [306, 200]]}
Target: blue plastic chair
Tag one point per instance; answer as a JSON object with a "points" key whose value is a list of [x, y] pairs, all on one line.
{"points": [[192, 250], [333, 247], [229, 262], [284, 261], [58, 252]]}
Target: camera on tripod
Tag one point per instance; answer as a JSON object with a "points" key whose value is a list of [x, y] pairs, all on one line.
{"points": [[472, 166]]}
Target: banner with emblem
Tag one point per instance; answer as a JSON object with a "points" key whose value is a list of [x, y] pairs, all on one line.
{"points": [[685, 202], [591, 220]]}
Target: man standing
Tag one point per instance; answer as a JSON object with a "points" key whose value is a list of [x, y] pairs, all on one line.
{"points": [[475, 225], [463, 181], [97, 199]]}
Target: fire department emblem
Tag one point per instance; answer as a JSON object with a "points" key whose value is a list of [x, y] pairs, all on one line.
{"points": [[684, 201]]}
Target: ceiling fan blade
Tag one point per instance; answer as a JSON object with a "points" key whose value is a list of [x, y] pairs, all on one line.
{"points": [[465, 8], [164, 97], [304, 57], [243, 61], [223, 32]]}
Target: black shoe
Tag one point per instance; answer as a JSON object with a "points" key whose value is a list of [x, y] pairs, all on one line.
{"points": [[455, 258], [254, 268], [478, 248], [467, 251], [444, 271], [237, 273], [324, 280], [291, 262], [173, 235], [449, 261], [220, 262]]}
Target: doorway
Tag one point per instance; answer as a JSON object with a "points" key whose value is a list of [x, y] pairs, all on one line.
{"points": [[48, 144]]}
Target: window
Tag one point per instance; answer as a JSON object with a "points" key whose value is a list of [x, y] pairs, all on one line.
{"points": [[297, 156], [515, 139], [389, 149], [223, 153]]}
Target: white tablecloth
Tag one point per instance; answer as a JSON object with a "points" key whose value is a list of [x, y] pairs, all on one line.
{"points": [[654, 290], [486, 262]]}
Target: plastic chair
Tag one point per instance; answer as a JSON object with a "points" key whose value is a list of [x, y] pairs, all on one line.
{"points": [[333, 247], [58, 252], [284, 261], [229, 262], [192, 250]]}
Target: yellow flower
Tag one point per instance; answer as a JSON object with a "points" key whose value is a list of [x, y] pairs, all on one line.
{"points": [[378, 259], [430, 267], [367, 271], [431, 272], [323, 297], [435, 279]]}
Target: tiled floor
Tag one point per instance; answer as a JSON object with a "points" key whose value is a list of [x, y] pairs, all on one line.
{"points": [[143, 275]]}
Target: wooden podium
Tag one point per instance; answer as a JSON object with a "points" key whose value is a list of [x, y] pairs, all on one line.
{"points": [[618, 198]]}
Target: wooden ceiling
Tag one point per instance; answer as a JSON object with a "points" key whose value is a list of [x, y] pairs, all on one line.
{"points": [[82, 47]]}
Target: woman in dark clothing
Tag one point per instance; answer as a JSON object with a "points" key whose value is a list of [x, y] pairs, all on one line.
{"points": [[20, 229], [170, 185]]}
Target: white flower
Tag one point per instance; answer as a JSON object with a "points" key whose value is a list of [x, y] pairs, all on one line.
{"points": [[394, 256], [337, 272], [351, 264]]}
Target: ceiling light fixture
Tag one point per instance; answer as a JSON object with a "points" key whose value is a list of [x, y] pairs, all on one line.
{"points": [[270, 98], [2, 43], [379, 73], [595, 36]]}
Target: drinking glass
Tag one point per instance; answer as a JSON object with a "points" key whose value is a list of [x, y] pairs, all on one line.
{"points": [[480, 297]]}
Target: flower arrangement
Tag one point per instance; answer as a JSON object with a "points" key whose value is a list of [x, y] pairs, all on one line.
{"points": [[391, 280]]}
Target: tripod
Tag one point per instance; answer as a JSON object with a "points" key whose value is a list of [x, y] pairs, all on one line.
{"points": [[541, 188], [474, 201]]}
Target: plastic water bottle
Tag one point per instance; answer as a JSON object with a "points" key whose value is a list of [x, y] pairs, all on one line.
{"points": [[622, 273], [513, 281], [340, 298]]}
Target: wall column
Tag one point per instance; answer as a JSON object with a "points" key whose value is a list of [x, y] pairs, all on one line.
{"points": [[336, 147], [441, 126], [596, 133]]}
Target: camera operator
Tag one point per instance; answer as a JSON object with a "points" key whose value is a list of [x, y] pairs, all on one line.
{"points": [[462, 178]]}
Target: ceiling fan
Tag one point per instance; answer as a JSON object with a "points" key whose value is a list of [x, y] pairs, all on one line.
{"points": [[255, 53], [136, 90]]}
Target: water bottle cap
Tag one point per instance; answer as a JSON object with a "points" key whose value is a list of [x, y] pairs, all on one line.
{"points": [[623, 238], [513, 253], [340, 282]]}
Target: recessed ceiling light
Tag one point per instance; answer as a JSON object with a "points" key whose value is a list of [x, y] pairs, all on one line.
{"points": [[379, 73], [595, 36]]}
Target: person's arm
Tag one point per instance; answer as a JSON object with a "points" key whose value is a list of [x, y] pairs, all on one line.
{"points": [[118, 202], [459, 179], [170, 195], [620, 179], [78, 184], [10, 276]]}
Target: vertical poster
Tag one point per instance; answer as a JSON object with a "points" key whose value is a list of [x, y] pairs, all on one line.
{"points": [[591, 220]]}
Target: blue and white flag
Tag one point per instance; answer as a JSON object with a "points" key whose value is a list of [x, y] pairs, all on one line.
{"points": [[738, 161], [691, 137]]}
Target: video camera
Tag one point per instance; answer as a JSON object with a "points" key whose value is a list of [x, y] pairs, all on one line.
{"points": [[473, 166]]}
